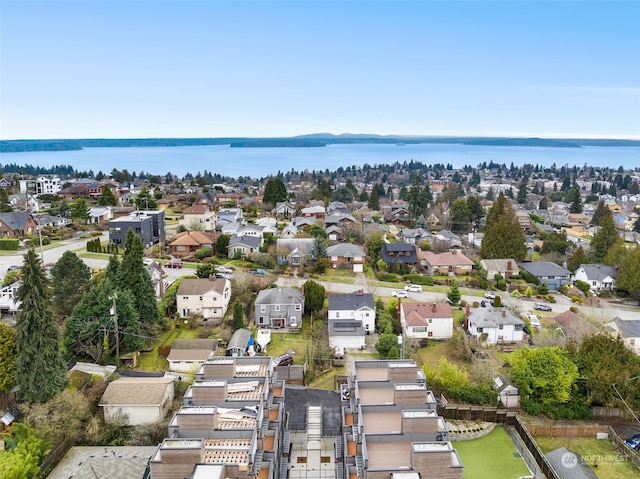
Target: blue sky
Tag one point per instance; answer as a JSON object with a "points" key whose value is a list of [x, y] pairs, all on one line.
{"points": [[117, 69]]}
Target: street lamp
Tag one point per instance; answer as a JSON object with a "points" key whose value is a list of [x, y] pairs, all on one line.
{"points": [[625, 402]]}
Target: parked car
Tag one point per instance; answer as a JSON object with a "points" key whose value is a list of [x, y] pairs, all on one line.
{"points": [[399, 293], [535, 322], [223, 276], [224, 270], [490, 295], [413, 288], [283, 360], [258, 271], [14, 267], [174, 263], [634, 442], [541, 307]]}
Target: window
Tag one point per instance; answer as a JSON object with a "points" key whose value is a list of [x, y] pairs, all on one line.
{"points": [[200, 298], [298, 307], [479, 330], [430, 321], [501, 327], [277, 307], [419, 329], [337, 314], [430, 334], [263, 308]]}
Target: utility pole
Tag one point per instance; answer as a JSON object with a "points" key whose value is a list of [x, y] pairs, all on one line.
{"points": [[114, 313]]}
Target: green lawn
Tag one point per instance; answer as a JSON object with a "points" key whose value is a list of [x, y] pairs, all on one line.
{"points": [[151, 362], [611, 463], [490, 456]]}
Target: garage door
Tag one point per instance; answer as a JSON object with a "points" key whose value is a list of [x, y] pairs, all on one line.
{"points": [[358, 268]]}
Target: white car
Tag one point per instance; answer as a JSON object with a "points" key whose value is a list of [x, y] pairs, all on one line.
{"points": [[399, 293], [224, 270], [535, 322], [413, 288], [489, 295]]}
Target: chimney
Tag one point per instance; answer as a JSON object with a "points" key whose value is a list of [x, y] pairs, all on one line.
{"points": [[504, 313], [466, 317], [509, 265], [433, 307], [398, 310]]}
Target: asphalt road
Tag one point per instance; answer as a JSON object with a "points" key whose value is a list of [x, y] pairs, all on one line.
{"points": [[606, 312]]}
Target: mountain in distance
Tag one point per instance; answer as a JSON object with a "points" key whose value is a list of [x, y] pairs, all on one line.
{"points": [[314, 140]]}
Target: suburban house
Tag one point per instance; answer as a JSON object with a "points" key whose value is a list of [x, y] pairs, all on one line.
{"points": [[289, 231], [399, 254], [346, 256], [396, 214], [284, 209], [256, 230], [494, 325], [547, 272], [188, 242], [149, 225], [198, 217], [598, 276], [508, 394], [188, 355], [100, 214], [45, 219], [339, 219], [226, 216], [313, 211], [279, 308], [16, 224], [415, 236], [156, 273], [138, 400], [206, 297], [338, 208], [452, 262], [524, 220], [422, 320], [41, 185], [628, 330], [243, 245], [294, 251], [357, 306], [334, 233], [346, 334], [572, 326], [503, 267]]}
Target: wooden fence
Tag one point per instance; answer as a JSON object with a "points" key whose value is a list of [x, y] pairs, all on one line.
{"points": [[567, 430], [543, 464], [478, 413]]}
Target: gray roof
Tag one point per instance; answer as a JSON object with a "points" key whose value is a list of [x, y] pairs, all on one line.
{"points": [[629, 328], [544, 268], [346, 327], [598, 272], [303, 245], [239, 340], [493, 317], [351, 301], [569, 465], [198, 286], [251, 241], [280, 296], [16, 220], [102, 462], [210, 344], [346, 250], [411, 258], [500, 264]]}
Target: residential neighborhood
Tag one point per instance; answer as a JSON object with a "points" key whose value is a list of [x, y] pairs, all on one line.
{"points": [[367, 306]]}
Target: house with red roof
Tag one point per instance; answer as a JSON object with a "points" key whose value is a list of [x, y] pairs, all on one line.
{"points": [[422, 320], [444, 263]]}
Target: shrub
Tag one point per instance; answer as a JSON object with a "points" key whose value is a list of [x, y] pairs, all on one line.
{"points": [[501, 285], [573, 309], [205, 252], [9, 244], [582, 286], [419, 279]]}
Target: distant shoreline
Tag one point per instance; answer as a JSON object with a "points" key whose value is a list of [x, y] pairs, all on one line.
{"points": [[307, 141]]}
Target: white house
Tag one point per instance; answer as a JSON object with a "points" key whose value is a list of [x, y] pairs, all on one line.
{"points": [[208, 297], [598, 276], [188, 355], [499, 325], [508, 394], [628, 330], [198, 217], [358, 306], [426, 320], [503, 267], [139, 400]]}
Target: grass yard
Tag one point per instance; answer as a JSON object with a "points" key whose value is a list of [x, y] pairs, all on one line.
{"points": [[490, 456], [611, 463], [151, 361]]}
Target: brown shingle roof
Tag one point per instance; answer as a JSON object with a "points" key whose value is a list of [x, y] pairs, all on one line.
{"points": [[210, 344], [193, 238], [417, 313], [189, 354], [136, 392], [196, 210], [446, 259]]}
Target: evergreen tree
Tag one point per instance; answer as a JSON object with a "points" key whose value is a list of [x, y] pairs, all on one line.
{"points": [[579, 257], [600, 212], [374, 200], [628, 277], [8, 357], [40, 369], [460, 216], [222, 246], [313, 296], [5, 207], [605, 239], [523, 190], [364, 196], [80, 210], [144, 200], [503, 237], [575, 200], [238, 314], [134, 277], [454, 293], [318, 249], [544, 203], [275, 191], [107, 198], [70, 280]]}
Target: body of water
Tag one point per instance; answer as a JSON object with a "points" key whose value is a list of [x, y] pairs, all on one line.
{"points": [[262, 162]]}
